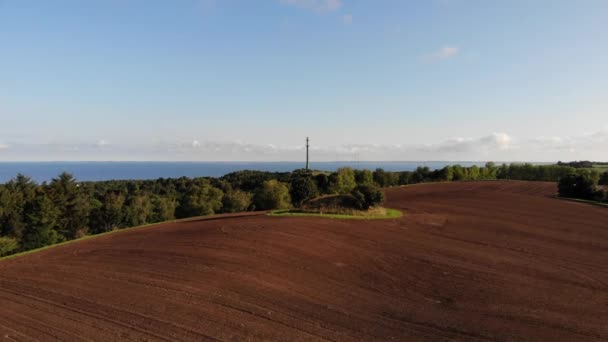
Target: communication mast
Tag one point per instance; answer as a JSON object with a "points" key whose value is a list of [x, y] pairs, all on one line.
{"points": [[307, 140]]}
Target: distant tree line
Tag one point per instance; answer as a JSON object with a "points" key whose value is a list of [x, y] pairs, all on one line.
{"points": [[36, 215], [582, 164]]}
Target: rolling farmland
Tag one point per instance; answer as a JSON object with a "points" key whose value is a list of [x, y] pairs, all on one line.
{"points": [[468, 261]]}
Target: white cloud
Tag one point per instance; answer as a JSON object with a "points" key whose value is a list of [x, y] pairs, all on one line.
{"points": [[445, 52], [315, 5], [494, 146], [101, 143], [483, 145], [347, 19], [502, 141]]}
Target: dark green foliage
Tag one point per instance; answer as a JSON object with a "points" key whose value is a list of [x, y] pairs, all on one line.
{"points": [[459, 173], [200, 199], [235, 201], [530, 172], [364, 177], [489, 171], [73, 204], [343, 180], [422, 174], [18, 195], [109, 213], [600, 195], [603, 179], [446, 174], [163, 208], [322, 181], [8, 245], [382, 178], [405, 178], [272, 195], [583, 164], [41, 218], [251, 181], [139, 210], [577, 186], [35, 215], [301, 188], [367, 195]]}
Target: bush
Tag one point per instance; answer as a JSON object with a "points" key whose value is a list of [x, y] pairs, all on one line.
{"points": [[577, 186], [236, 201], [322, 182], [600, 195], [8, 245], [364, 177], [302, 188], [343, 180], [272, 195], [200, 199], [367, 196], [603, 179]]}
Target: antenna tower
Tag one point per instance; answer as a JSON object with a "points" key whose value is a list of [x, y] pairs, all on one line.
{"points": [[307, 141]]}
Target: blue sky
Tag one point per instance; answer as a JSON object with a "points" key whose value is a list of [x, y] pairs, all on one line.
{"points": [[248, 80]]}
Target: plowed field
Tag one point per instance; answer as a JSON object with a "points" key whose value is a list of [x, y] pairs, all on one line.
{"points": [[467, 261]]}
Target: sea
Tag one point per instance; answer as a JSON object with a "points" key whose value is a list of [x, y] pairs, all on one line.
{"points": [[100, 171]]}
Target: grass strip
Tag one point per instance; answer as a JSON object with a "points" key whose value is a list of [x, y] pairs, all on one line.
{"points": [[601, 204], [390, 214]]}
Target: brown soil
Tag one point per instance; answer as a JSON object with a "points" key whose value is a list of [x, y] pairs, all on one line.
{"points": [[468, 261]]}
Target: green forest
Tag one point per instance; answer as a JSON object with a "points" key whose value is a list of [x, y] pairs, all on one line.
{"points": [[36, 215]]}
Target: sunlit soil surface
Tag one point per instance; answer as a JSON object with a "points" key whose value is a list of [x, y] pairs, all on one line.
{"points": [[467, 261]]}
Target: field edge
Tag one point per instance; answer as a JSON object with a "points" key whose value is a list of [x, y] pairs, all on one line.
{"points": [[390, 214]]}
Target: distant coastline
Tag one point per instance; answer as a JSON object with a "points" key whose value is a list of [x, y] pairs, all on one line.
{"points": [[124, 170], [99, 171]]}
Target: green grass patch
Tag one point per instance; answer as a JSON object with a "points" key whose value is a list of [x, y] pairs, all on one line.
{"points": [[387, 214], [601, 204]]}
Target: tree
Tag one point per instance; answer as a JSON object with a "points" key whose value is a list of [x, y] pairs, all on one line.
{"points": [[405, 178], [302, 188], [603, 179], [42, 218], [490, 171], [108, 214], [364, 177], [474, 172], [8, 245], [503, 172], [344, 181], [367, 196], [323, 184], [446, 174], [459, 173], [422, 174], [576, 186], [139, 210], [200, 199], [18, 194], [380, 177], [73, 206], [163, 208], [272, 195], [236, 201]]}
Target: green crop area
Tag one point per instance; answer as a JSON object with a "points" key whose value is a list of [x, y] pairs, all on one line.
{"points": [[600, 167], [383, 213]]}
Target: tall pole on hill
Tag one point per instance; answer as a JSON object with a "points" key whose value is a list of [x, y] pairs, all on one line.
{"points": [[307, 140]]}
